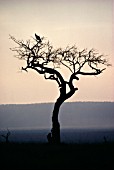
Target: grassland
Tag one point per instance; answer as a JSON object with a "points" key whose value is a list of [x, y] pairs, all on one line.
{"points": [[32, 156]]}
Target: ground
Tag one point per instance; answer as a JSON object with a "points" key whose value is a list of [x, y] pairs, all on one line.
{"points": [[32, 156]]}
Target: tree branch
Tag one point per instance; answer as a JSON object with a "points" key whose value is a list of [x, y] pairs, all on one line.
{"points": [[52, 77], [41, 57], [98, 71]]}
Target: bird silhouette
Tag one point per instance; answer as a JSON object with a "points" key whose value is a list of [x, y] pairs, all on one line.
{"points": [[37, 37]]}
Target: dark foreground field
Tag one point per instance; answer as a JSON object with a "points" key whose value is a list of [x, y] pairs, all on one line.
{"points": [[65, 156]]}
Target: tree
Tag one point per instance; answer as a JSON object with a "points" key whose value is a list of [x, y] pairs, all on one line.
{"points": [[6, 136], [40, 56]]}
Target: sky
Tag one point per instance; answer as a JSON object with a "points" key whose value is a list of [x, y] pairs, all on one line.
{"points": [[86, 23]]}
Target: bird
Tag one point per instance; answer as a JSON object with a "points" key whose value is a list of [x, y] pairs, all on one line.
{"points": [[37, 37]]}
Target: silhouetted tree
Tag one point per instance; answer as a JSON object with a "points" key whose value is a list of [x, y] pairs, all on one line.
{"points": [[6, 136], [40, 56]]}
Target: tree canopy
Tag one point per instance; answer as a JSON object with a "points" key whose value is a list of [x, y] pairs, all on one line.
{"points": [[41, 56]]}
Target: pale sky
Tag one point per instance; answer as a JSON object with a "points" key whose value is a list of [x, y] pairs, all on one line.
{"points": [[86, 23]]}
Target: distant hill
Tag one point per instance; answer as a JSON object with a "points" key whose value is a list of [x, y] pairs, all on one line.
{"points": [[72, 115]]}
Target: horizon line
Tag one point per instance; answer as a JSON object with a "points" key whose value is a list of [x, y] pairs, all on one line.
{"points": [[54, 102]]}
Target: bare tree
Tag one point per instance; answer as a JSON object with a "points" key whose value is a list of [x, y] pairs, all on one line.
{"points": [[6, 136], [40, 56]]}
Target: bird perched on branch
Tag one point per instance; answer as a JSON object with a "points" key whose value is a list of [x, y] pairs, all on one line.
{"points": [[37, 37]]}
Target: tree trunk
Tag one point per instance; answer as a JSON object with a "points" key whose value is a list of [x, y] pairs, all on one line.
{"points": [[55, 122], [54, 136]]}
